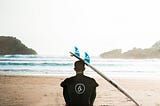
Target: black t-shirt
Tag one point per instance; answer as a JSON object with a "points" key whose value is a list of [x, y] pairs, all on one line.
{"points": [[79, 90]]}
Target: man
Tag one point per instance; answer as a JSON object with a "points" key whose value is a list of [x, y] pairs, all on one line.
{"points": [[79, 90]]}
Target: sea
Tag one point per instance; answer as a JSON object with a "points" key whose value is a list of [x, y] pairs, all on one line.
{"points": [[42, 65]]}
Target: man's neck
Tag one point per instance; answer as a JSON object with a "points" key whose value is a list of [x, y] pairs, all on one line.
{"points": [[79, 73]]}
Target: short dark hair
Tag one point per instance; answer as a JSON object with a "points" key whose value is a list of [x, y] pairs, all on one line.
{"points": [[79, 65]]}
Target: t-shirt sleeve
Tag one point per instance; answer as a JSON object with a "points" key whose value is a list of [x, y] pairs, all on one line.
{"points": [[93, 94], [95, 84], [64, 83], [65, 91]]}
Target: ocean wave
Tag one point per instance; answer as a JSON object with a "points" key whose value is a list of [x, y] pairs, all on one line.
{"points": [[20, 56], [56, 65], [34, 64]]}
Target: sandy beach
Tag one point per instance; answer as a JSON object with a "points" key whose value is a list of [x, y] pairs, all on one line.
{"points": [[46, 91]]}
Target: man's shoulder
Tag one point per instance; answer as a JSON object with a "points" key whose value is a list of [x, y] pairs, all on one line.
{"points": [[87, 79], [69, 78], [81, 77], [91, 80]]}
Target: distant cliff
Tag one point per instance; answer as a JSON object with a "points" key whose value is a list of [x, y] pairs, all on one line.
{"points": [[11, 45], [135, 53]]}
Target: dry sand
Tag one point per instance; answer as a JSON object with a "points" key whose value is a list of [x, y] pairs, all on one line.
{"points": [[46, 91]]}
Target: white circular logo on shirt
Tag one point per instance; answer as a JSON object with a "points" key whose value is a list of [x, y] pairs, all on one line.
{"points": [[80, 88]]}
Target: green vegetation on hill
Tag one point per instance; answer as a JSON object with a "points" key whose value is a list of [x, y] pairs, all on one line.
{"points": [[135, 53], [11, 45]]}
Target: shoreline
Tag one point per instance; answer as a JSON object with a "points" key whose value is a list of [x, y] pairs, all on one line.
{"points": [[97, 76], [46, 91]]}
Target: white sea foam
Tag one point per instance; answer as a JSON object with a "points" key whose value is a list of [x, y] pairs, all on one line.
{"points": [[63, 66]]}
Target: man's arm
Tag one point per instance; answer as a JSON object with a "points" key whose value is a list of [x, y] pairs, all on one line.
{"points": [[93, 93], [93, 96], [65, 95], [65, 92]]}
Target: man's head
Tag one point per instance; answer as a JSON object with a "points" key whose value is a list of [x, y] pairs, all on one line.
{"points": [[79, 66]]}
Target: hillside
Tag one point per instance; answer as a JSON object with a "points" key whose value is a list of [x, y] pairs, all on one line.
{"points": [[11, 45], [135, 53]]}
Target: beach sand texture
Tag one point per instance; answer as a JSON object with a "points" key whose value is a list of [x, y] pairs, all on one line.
{"points": [[46, 91]]}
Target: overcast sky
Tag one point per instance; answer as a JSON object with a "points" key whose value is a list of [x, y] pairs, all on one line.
{"points": [[56, 26]]}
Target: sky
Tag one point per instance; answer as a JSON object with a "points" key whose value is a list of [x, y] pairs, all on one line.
{"points": [[54, 27]]}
